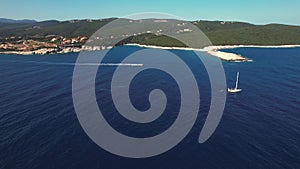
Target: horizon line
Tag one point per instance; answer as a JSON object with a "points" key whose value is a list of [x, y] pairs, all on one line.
{"points": [[114, 17]]}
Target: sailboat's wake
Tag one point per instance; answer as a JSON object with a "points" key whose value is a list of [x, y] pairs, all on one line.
{"points": [[111, 64], [86, 64]]}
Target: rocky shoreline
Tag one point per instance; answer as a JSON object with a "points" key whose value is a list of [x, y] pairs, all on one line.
{"points": [[43, 51], [212, 50]]}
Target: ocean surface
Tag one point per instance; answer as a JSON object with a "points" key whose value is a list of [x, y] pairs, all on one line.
{"points": [[260, 127]]}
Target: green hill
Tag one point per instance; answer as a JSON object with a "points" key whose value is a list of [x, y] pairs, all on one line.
{"points": [[246, 34], [220, 33]]}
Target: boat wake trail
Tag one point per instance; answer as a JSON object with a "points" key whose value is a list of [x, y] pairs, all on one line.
{"points": [[85, 64]]}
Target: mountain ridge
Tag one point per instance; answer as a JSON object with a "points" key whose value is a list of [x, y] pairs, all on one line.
{"points": [[6, 20]]}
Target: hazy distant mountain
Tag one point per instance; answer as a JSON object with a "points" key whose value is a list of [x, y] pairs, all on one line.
{"points": [[5, 20]]}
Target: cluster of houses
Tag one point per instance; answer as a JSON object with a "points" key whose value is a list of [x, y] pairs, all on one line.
{"points": [[50, 42], [64, 41]]}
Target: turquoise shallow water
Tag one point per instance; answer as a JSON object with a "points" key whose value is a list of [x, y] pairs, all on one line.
{"points": [[259, 129]]}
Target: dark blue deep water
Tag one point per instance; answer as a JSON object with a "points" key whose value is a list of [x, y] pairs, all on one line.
{"points": [[260, 127]]}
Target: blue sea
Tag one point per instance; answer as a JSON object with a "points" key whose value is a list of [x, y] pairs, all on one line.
{"points": [[260, 127]]}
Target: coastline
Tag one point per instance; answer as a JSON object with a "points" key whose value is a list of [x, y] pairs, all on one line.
{"points": [[44, 51], [211, 50]]}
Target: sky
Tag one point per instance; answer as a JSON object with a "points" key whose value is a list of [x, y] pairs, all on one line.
{"points": [[253, 11]]}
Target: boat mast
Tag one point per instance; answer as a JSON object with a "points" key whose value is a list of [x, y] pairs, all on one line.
{"points": [[237, 80]]}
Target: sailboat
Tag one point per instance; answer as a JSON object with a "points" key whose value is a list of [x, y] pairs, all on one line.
{"points": [[236, 89]]}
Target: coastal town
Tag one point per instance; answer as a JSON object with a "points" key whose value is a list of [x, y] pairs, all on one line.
{"points": [[42, 45]]}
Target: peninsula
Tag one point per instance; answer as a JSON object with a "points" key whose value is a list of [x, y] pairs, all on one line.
{"points": [[52, 36]]}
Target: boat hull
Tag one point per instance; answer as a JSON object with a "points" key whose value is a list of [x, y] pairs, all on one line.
{"points": [[234, 90]]}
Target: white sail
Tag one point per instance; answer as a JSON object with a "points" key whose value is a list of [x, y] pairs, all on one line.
{"points": [[237, 80], [236, 89]]}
